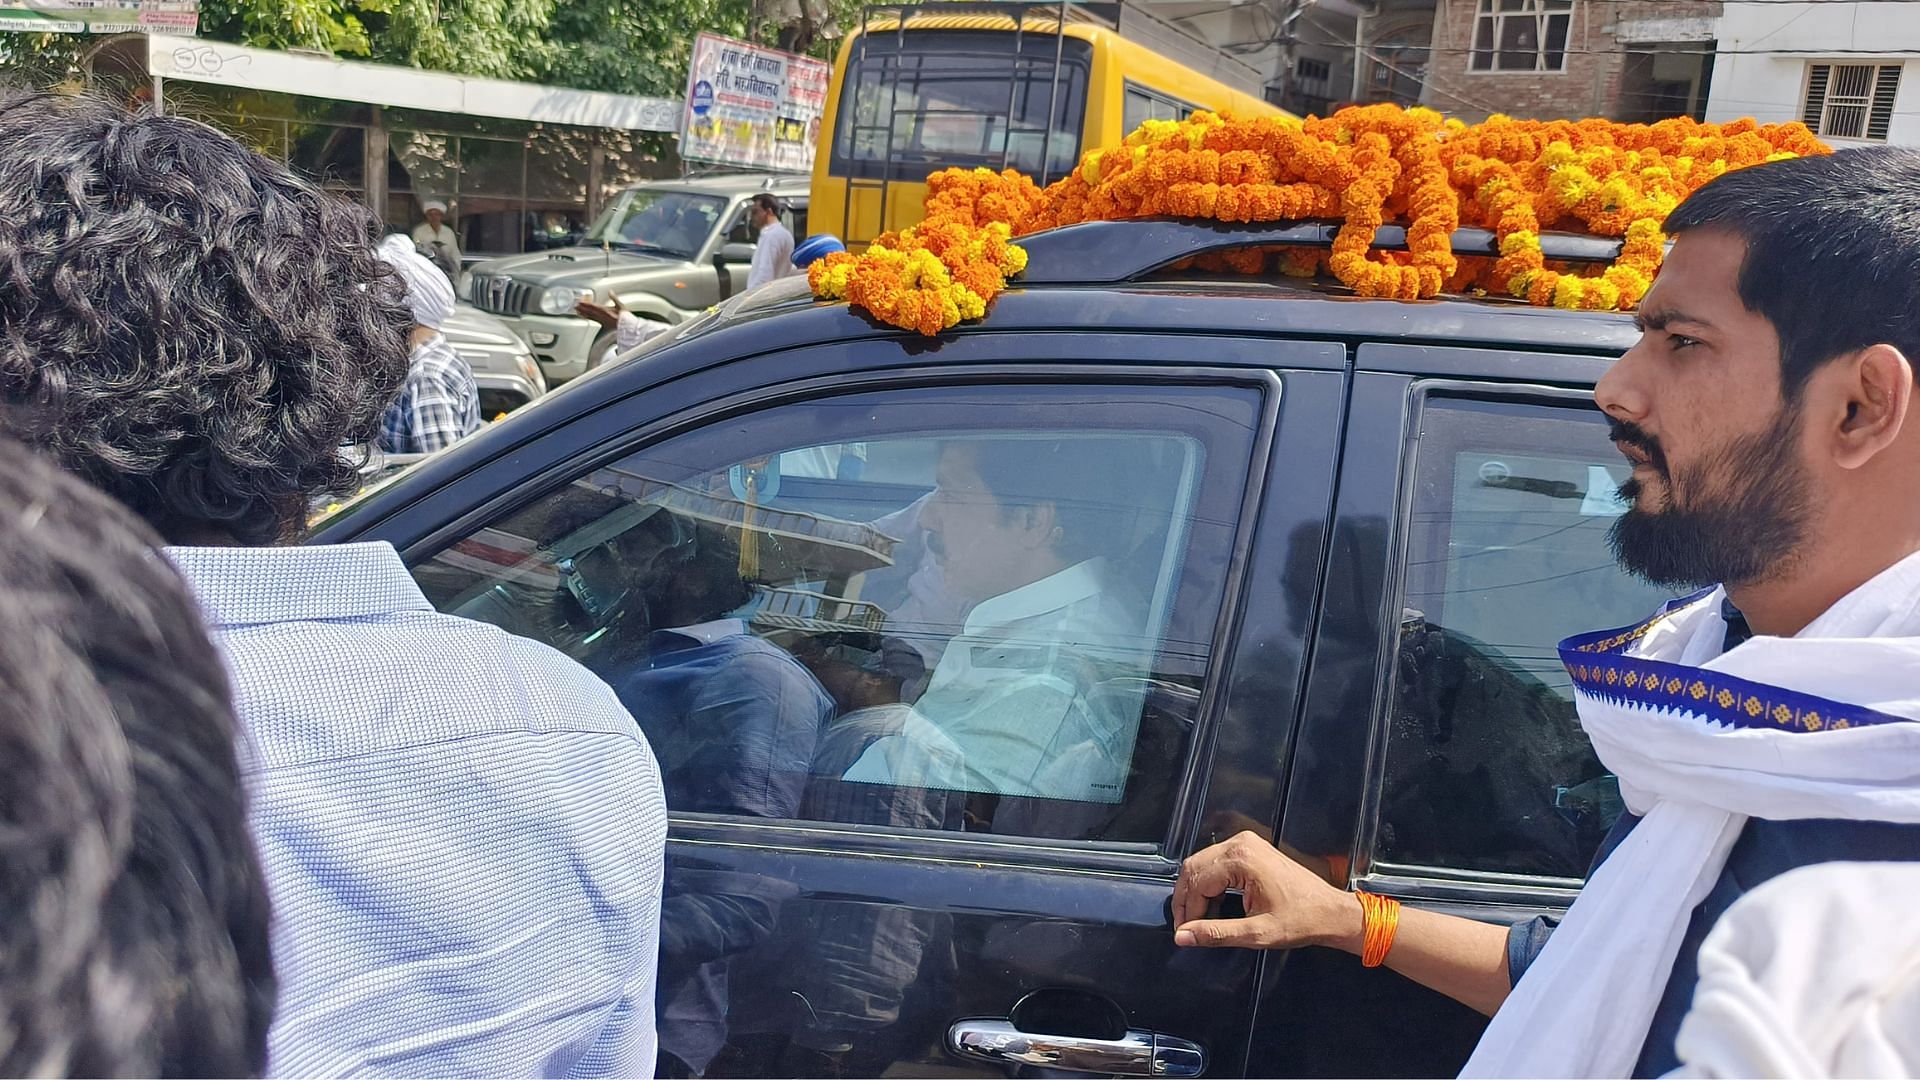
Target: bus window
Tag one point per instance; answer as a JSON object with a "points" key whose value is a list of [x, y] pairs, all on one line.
{"points": [[946, 101], [1142, 104]]}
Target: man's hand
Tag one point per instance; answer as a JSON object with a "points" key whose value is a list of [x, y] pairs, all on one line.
{"points": [[1287, 904], [607, 317]]}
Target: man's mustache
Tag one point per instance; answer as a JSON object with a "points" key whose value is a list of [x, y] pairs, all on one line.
{"points": [[1628, 433]]}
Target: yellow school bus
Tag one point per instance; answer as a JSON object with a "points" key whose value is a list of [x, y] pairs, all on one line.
{"points": [[911, 96]]}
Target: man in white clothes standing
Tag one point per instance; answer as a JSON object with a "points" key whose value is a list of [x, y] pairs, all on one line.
{"points": [[437, 237], [773, 254]]}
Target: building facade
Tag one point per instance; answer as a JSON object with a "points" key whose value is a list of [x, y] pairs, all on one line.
{"points": [[1841, 68], [1629, 60]]}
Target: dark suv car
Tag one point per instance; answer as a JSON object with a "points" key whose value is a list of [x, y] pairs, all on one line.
{"points": [[952, 648]]}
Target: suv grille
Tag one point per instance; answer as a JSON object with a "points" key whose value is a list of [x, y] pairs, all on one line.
{"points": [[501, 294]]}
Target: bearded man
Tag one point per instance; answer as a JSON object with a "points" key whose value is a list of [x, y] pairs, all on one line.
{"points": [[1759, 726]]}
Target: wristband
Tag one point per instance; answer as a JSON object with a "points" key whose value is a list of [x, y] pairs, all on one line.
{"points": [[1382, 923]]}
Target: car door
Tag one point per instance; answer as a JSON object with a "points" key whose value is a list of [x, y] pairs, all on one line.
{"points": [[1440, 761], [937, 662]]}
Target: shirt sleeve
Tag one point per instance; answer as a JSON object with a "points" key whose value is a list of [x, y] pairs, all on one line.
{"points": [[1526, 940], [631, 330]]}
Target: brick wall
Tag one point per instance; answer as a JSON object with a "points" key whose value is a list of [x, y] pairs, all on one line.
{"points": [[1589, 85]]}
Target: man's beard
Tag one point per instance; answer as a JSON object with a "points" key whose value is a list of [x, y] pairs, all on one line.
{"points": [[1737, 517]]}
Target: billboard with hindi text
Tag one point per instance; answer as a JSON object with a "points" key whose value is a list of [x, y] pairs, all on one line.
{"points": [[179, 17], [751, 106]]}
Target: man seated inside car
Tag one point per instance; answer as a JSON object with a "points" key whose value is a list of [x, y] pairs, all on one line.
{"points": [[1025, 534]]}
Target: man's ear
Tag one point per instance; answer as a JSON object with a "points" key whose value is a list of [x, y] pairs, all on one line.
{"points": [[1039, 524], [1874, 392]]}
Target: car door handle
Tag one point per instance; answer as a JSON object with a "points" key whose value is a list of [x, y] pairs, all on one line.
{"points": [[1138, 1053]]}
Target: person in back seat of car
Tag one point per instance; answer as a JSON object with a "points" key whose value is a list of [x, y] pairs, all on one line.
{"points": [[1024, 534], [462, 831]]}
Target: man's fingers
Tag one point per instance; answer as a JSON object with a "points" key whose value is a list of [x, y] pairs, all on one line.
{"points": [[1222, 933], [1202, 877]]}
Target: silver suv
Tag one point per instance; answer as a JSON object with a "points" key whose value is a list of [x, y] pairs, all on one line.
{"points": [[659, 247]]}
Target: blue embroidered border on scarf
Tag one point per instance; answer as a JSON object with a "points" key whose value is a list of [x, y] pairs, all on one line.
{"points": [[1601, 668]]}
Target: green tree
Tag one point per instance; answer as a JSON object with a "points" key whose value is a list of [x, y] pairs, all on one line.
{"points": [[623, 46]]}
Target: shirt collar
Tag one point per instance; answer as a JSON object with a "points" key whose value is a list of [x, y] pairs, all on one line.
{"points": [[1078, 582], [707, 633], [248, 586]]}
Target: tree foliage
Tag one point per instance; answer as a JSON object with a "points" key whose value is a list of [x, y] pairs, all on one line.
{"points": [[624, 46]]}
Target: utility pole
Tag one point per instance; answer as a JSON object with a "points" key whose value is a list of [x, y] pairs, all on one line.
{"points": [[1286, 15]]}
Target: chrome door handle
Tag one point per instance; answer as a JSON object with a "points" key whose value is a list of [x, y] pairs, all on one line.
{"points": [[1139, 1053]]}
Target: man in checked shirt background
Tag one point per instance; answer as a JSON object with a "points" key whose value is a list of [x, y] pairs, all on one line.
{"points": [[439, 403], [462, 832]]}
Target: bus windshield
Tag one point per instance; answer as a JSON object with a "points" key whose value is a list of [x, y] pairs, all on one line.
{"points": [[658, 222], [914, 103]]}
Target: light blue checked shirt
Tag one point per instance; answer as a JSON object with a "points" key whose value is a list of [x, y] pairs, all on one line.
{"points": [[462, 830]]}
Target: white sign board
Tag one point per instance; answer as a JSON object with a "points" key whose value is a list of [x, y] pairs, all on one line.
{"points": [[753, 107], [100, 16]]}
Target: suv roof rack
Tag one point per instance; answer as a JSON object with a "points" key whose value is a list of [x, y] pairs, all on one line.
{"points": [[1117, 252]]}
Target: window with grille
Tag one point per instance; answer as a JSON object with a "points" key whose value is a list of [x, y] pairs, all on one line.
{"points": [[1521, 35], [1851, 101]]}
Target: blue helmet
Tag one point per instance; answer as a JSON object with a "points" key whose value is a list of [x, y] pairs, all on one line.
{"points": [[814, 248]]}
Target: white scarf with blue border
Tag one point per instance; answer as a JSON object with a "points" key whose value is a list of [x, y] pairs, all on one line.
{"points": [[1819, 725]]}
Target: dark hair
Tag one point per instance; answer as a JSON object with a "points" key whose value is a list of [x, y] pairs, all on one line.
{"points": [[1833, 251], [768, 203], [135, 936], [185, 323], [1074, 476]]}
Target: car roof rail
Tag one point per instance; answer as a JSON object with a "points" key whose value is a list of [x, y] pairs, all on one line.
{"points": [[1104, 12], [1117, 252]]}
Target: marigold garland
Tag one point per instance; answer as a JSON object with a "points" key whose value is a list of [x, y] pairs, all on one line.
{"points": [[1363, 166]]}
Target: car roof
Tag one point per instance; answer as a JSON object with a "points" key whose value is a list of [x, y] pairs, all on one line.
{"points": [[786, 185]]}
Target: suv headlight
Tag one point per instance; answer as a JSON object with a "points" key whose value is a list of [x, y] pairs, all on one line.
{"points": [[560, 299]]}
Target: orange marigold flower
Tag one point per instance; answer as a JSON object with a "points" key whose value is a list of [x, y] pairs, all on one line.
{"points": [[1365, 166]]}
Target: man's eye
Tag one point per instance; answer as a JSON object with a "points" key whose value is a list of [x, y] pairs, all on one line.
{"points": [[1681, 341]]}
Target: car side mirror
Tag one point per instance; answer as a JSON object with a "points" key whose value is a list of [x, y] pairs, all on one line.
{"points": [[736, 253]]}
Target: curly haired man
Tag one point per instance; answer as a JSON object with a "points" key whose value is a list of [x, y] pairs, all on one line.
{"points": [[462, 831]]}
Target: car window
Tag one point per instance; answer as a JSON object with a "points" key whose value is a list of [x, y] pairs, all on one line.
{"points": [[970, 609], [1486, 767], [742, 230]]}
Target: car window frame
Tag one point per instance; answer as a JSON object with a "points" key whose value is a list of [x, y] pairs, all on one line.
{"points": [[1440, 883], [1156, 858]]}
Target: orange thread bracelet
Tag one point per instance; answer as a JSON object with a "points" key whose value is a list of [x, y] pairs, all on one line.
{"points": [[1382, 923]]}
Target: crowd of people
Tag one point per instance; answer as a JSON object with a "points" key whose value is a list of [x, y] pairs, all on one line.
{"points": [[272, 812]]}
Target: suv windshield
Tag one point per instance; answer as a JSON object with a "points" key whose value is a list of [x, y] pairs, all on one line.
{"points": [[673, 223]]}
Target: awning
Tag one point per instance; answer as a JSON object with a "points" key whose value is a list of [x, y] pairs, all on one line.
{"points": [[316, 75]]}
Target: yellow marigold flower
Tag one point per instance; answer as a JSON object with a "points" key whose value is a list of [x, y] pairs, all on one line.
{"points": [[1517, 242]]}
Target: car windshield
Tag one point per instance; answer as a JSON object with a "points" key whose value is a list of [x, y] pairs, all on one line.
{"points": [[673, 223]]}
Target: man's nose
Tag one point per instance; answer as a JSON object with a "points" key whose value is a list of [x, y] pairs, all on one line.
{"points": [[1620, 393]]}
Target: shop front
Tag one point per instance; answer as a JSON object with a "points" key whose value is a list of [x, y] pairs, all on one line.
{"points": [[517, 166]]}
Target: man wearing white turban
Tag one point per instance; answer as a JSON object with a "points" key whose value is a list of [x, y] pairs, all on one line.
{"points": [[438, 404], [435, 232]]}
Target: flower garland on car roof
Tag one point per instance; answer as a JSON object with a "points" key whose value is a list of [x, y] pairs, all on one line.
{"points": [[1363, 166]]}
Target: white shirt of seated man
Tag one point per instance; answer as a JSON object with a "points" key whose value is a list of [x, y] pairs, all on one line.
{"points": [[1014, 706]]}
